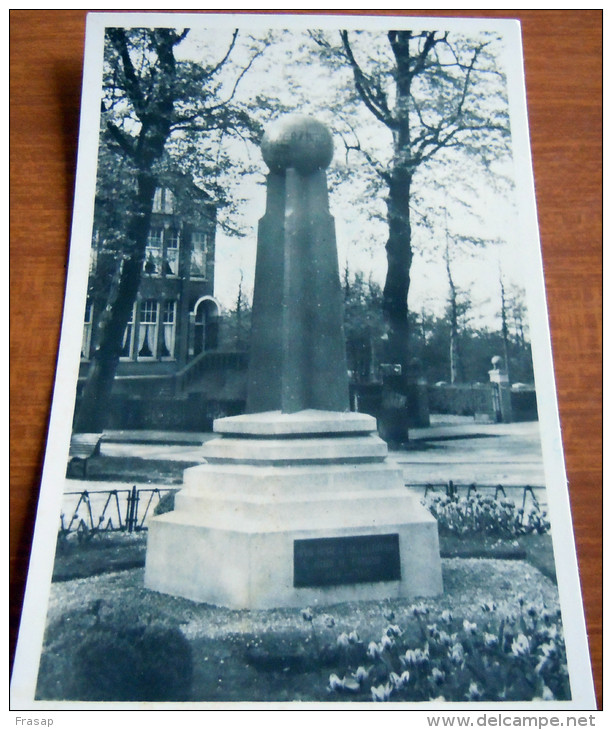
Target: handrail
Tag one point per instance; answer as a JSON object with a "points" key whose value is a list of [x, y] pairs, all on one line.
{"points": [[209, 360]]}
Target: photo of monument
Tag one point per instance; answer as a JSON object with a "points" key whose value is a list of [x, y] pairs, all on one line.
{"points": [[307, 455]]}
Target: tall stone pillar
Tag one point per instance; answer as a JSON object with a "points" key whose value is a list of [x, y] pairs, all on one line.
{"points": [[297, 354], [297, 503]]}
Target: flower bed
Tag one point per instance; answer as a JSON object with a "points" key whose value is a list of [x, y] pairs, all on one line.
{"points": [[498, 657], [485, 515]]}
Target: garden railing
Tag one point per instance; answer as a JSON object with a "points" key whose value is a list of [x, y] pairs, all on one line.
{"points": [[110, 510], [453, 490], [126, 510]]}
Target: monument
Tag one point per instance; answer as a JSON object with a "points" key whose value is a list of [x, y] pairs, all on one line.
{"points": [[296, 504]]}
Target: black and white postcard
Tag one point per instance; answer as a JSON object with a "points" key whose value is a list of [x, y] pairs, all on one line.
{"points": [[304, 444]]}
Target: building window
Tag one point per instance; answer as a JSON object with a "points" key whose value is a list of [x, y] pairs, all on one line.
{"points": [[163, 201], [127, 348], [169, 329], [158, 200], [172, 240], [87, 327], [199, 248], [155, 238], [147, 329], [153, 252], [162, 252]]}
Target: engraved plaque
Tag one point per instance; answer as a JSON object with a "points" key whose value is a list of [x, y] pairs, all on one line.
{"points": [[332, 561]]}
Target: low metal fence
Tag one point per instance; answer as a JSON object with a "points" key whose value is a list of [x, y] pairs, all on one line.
{"points": [[112, 510], [526, 493]]}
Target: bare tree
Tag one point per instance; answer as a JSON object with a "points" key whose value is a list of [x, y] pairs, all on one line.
{"points": [[150, 101], [435, 93]]}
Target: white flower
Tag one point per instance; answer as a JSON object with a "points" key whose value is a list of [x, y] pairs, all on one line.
{"points": [[373, 650], [445, 639], [456, 654], [547, 694], [381, 693], [348, 683], [335, 683], [468, 627], [520, 645], [329, 621], [386, 642], [351, 684], [353, 637], [490, 640], [437, 675], [343, 640], [361, 674], [446, 616], [552, 632], [474, 691], [399, 681], [412, 657], [408, 659], [393, 630], [548, 649], [394, 678]]}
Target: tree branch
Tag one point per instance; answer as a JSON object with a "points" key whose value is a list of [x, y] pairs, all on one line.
{"points": [[222, 62], [118, 38], [374, 164], [125, 141], [373, 97]]}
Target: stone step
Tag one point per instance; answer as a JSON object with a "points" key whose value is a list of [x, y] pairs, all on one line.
{"points": [[264, 514], [278, 481], [301, 423], [275, 451]]}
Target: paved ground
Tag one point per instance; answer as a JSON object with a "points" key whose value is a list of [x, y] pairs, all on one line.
{"points": [[462, 450], [450, 449], [506, 454]]}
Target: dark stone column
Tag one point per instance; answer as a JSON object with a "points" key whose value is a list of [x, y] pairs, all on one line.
{"points": [[297, 356]]}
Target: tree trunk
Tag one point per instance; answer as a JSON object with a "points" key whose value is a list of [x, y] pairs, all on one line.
{"points": [[399, 261], [454, 346], [505, 335], [93, 408], [454, 357]]}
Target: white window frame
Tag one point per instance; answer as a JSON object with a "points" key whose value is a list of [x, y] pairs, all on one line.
{"points": [[148, 324]]}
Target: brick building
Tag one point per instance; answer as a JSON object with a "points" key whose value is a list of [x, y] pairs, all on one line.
{"points": [[172, 339]]}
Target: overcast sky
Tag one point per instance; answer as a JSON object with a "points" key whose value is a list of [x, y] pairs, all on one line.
{"points": [[360, 240]]}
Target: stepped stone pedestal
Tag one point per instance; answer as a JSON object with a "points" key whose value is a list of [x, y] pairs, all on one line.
{"points": [[296, 503], [294, 510]]}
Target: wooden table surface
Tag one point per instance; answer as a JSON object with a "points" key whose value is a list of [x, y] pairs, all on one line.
{"points": [[563, 66]]}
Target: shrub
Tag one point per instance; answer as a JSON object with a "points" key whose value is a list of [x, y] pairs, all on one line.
{"points": [[91, 659]]}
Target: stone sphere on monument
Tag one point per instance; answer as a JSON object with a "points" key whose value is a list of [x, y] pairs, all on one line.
{"points": [[297, 141]]}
